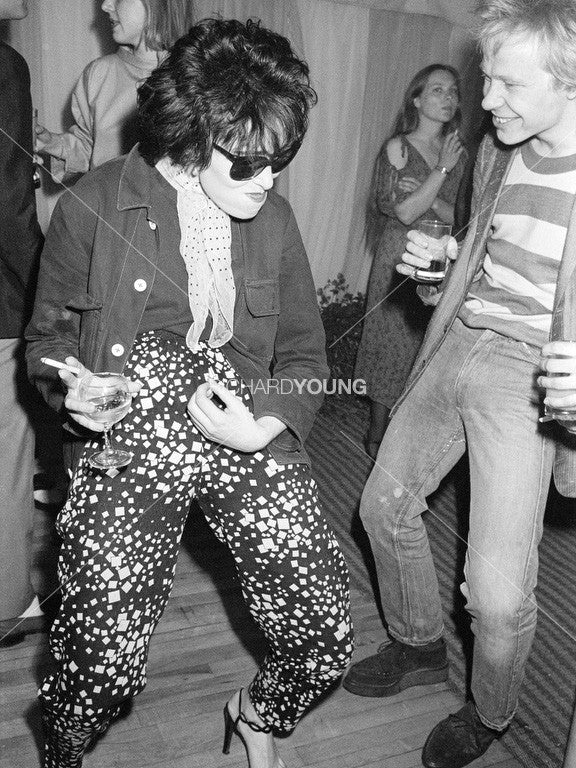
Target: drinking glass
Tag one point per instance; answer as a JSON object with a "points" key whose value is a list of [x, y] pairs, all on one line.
{"points": [[438, 233], [111, 395], [554, 412]]}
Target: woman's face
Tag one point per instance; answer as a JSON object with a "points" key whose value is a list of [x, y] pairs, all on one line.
{"points": [[240, 199], [439, 98], [128, 18]]}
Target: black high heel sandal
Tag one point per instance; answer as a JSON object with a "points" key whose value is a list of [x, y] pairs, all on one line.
{"points": [[231, 725]]}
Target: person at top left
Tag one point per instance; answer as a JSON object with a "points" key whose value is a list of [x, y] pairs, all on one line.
{"points": [[20, 244], [104, 98]]}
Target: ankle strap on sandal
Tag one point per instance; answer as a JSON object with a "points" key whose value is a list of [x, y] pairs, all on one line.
{"points": [[256, 727]]}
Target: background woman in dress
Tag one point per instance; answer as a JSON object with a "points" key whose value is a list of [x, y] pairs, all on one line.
{"points": [[417, 176]]}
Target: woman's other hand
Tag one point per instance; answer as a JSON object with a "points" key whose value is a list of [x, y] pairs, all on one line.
{"points": [[451, 150], [408, 184], [417, 256], [233, 425]]}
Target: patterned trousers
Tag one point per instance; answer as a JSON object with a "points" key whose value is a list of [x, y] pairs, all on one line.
{"points": [[120, 538]]}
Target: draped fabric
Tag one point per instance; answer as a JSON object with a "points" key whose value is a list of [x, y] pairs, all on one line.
{"points": [[205, 246], [362, 54]]}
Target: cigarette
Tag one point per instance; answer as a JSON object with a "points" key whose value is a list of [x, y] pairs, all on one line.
{"points": [[57, 364]]}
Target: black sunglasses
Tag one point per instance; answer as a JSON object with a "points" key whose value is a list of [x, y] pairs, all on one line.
{"points": [[247, 166]]}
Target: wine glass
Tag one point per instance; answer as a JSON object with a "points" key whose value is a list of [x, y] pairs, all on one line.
{"points": [[111, 395]]}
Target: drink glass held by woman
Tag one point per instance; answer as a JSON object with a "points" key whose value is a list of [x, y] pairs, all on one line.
{"points": [[417, 176], [109, 394]]}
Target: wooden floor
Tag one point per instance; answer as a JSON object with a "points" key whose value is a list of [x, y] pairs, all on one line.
{"points": [[206, 647]]}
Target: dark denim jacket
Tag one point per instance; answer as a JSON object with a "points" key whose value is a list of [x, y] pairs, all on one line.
{"points": [[104, 246], [20, 234]]}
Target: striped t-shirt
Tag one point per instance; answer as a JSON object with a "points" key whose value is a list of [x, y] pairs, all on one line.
{"points": [[513, 293]]}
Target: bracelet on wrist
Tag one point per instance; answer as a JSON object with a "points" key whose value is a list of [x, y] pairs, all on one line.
{"points": [[442, 168]]}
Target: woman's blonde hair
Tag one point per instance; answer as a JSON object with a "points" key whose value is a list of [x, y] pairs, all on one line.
{"points": [[166, 21]]}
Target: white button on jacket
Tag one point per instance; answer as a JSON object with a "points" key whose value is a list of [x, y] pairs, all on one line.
{"points": [[140, 285], [117, 350]]}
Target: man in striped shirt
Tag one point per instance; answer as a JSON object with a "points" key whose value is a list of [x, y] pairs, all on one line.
{"points": [[474, 388]]}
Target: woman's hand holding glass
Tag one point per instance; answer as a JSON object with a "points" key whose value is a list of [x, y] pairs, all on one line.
{"points": [[559, 380], [98, 401], [232, 425], [77, 406]]}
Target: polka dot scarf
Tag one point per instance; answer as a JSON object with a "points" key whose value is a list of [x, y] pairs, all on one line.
{"points": [[205, 247]]}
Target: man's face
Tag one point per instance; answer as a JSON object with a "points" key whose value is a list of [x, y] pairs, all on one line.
{"points": [[13, 9], [525, 100]]}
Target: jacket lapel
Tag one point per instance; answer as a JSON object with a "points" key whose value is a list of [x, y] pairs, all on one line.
{"points": [[487, 205], [564, 313]]}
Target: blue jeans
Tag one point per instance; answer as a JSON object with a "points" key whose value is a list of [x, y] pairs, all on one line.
{"points": [[479, 392]]}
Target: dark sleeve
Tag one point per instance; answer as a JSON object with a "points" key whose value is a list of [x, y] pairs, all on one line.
{"points": [[20, 234], [387, 192], [299, 366], [54, 330]]}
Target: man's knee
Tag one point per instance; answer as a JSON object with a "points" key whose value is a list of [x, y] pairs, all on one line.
{"points": [[382, 501], [499, 609]]}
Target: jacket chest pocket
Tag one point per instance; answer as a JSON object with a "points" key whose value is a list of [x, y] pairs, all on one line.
{"points": [[258, 322], [262, 297]]}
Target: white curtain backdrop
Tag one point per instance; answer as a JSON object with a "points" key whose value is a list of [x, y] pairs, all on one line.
{"points": [[362, 54], [322, 195]]}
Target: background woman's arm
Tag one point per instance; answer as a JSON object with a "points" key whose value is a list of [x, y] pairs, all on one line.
{"points": [[425, 196]]}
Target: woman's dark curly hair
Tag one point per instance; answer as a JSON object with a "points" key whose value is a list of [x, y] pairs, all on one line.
{"points": [[224, 82]]}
